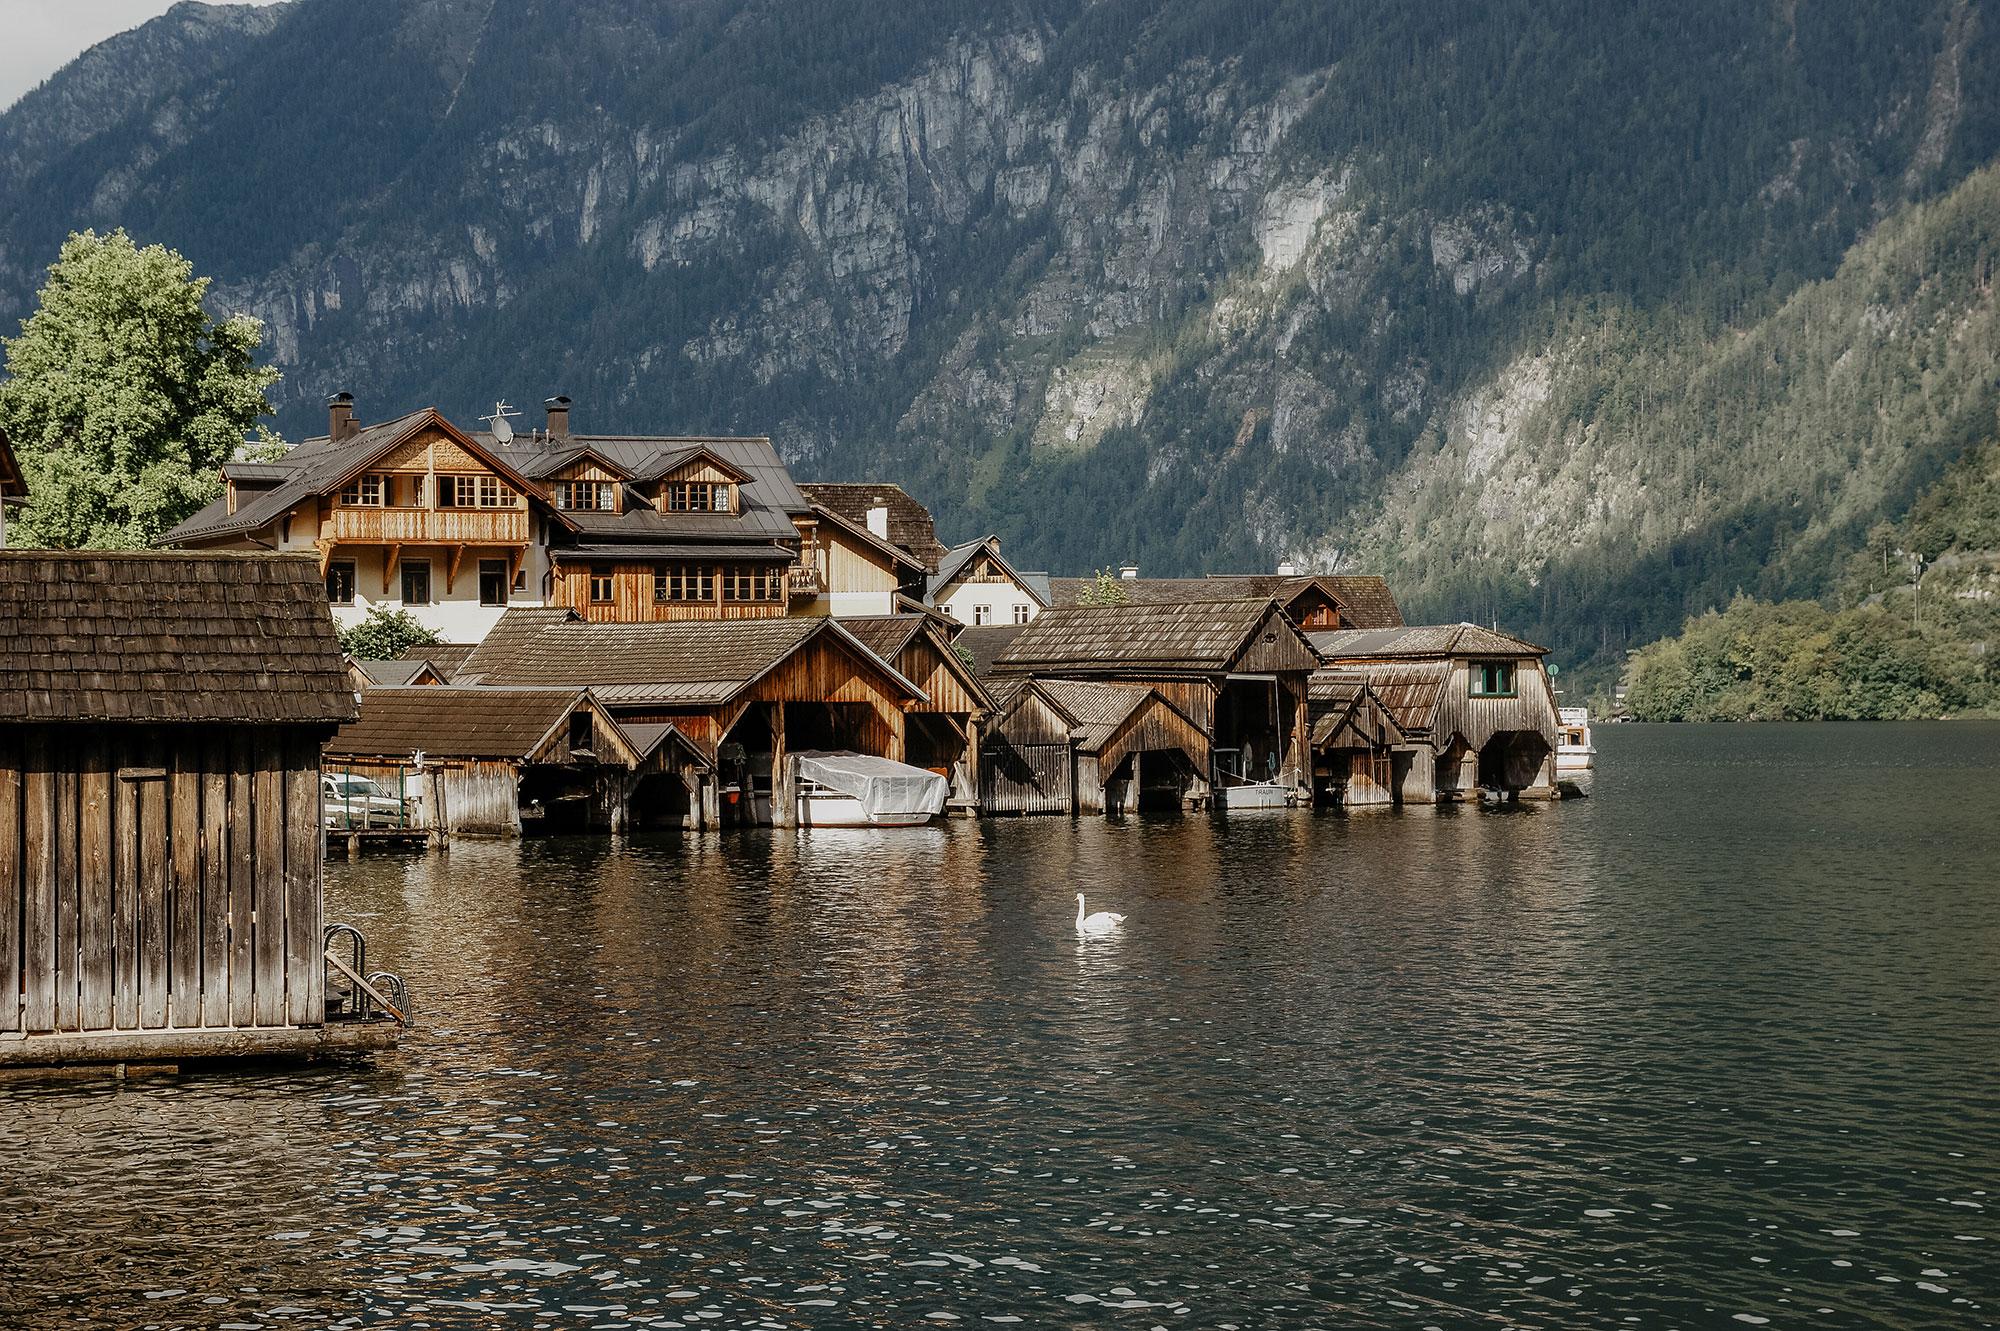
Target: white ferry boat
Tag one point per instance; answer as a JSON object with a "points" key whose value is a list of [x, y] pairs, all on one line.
{"points": [[1574, 751]]}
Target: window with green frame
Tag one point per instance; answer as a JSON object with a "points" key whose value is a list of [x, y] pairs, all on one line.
{"points": [[1492, 679]]}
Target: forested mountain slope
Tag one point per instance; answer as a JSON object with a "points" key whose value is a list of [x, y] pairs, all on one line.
{"points": [[1575, 315]]}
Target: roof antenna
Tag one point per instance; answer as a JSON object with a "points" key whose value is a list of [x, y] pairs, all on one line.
{"points": [[503, 433]]}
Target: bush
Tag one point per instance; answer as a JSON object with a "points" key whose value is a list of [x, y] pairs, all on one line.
{"points": [[384, 635]]}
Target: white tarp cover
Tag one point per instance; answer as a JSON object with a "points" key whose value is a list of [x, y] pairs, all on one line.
{"points": [[884, 788]]}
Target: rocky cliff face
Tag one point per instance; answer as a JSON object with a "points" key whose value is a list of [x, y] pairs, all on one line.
{"points": [[1115, 294]]}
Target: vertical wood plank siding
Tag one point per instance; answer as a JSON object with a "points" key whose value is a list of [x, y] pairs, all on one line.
{"points": [[156, 876]]}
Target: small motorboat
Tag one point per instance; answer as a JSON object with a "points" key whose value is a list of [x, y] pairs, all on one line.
{"points": [[1574, 751]]}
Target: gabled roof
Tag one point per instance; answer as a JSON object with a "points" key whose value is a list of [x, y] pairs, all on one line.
{"points": [[1409, 690], [1095, 708], [321, 466], [699, 663], [987, 643], [856, 531], [1196, 637], [889, 636], [669, 460], [768, 497], [1342, 706], [447, 658], [397, 673], [954, 560], [1365, 599], [446, 722], [910, 525], [550, 461], [13, 485], [146, 636], [1440, 640], [649, 737]]}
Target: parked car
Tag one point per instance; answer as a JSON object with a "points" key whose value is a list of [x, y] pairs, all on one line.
{"points": [[358, 802]]}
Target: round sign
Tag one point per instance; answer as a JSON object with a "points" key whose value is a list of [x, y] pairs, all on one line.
{"points": [[1555, 670]]}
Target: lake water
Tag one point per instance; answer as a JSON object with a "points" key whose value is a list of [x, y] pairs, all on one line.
{"points": [[1720, 1045]]}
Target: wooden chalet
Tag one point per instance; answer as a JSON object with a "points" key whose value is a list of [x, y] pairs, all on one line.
{"points": [[457, 526], [975, 585], [1474, 707], [13, 484], [1354, 742], [942, 731], [1317, 602], [883, 509], [1237, 670], [493, 761], [742, 694], [161, 720]]}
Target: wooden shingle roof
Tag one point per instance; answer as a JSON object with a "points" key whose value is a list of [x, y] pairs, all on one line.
{"points": [[696, 663], [1191, 636], [446, 722], [145, 636], [1429, 640], [910, 523], [1365, 599]]}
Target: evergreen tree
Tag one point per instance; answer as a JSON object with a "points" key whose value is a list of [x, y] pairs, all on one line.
{"points": [[123, 398]]}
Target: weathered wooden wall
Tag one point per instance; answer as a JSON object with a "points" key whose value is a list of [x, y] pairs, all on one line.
{"points": [[632, 597], [1477, 720], [159, 877], [852, 567], [943, 682], [1026, 778], [1155, 726], [482, 797]]}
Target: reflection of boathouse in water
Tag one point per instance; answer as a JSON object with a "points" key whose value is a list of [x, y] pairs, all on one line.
{"points": [[161, 720]]}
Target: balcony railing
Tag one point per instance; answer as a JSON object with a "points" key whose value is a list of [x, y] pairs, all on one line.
{"points": [[428, 526], [806, 580]]}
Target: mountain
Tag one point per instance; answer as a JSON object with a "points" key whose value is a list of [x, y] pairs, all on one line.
{"points": [[1572, 315]]}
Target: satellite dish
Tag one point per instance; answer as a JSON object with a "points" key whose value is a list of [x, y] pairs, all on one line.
{"points": [[503, 433]]}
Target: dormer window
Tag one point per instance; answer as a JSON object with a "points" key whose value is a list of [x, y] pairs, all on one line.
{"points": [[1492, 679], [698, 497], [598, 496]]}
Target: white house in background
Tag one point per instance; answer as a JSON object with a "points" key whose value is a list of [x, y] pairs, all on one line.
{"points": [[975, 585]]}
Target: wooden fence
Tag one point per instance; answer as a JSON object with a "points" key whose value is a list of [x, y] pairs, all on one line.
{"points": [[1026, 778], [156, 877]]}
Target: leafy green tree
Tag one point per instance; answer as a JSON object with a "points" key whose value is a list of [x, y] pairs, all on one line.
{"points": [[1106, 592], [123, 398], [385, 634]]}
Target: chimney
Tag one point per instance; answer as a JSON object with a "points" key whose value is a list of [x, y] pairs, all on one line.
{"points": [[878, 522], [1129, 572], [340, 417], [558, 409], [1287, 569]]}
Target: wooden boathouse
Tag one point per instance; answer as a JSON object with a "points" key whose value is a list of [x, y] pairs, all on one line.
{"points": [[161, 719], [1474, 706], [942, 732], [477, 761], [1355, 742], [1236, 671], [742, 694]]}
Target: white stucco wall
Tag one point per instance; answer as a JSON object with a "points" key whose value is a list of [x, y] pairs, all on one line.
{"points": [[455, 616], [958, 599]]}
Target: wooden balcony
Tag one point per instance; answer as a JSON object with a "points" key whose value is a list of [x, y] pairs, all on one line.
{"points": [[426, 526], [805, 580]]}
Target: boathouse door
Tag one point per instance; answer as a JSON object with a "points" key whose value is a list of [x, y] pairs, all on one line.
{"points": [[1025, 778]]}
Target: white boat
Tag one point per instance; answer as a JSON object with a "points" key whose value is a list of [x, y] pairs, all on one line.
{"points": [[1255, 795], [1574, 751], [857, 790]]}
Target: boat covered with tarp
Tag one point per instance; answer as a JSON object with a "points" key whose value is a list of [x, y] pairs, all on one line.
{"points": [[838, 789]]}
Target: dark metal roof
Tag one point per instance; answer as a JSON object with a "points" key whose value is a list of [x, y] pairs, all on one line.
{"points": [[447, 722], [1195, 636], [1423, 641], [147, 636], [697, 663], [640, 552], [1366, 598], [954, 560]]}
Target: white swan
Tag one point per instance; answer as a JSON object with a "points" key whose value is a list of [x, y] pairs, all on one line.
{"points": [[1101, 923]]}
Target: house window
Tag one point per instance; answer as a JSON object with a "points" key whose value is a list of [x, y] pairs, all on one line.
{"points": [[365, 491], [594, 495], [416, 582], [1492, 679], [600, 589], [697, 497], [982, 614], [683, 582], [1020, 614], [493, 582], [754, 582], [473, 492], [340, 582]]}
